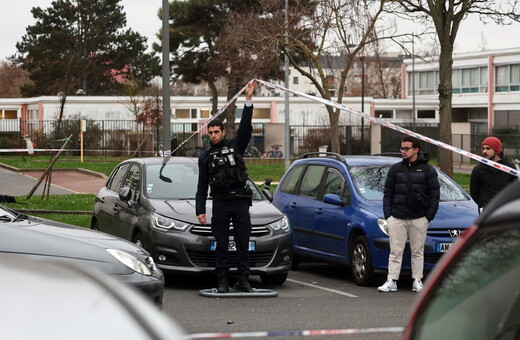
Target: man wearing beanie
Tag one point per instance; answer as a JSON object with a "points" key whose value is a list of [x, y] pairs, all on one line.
{"points": [[487, 181]]}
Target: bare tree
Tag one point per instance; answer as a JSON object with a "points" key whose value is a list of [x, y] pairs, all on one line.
{"points": [[447, 16], [11, 79], [323, 40]]}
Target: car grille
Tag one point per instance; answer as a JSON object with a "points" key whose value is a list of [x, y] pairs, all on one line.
{"points": [[205, 230], [444, 232], [207, 259]]}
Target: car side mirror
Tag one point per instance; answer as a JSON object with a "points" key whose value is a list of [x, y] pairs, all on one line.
{"points": [[267, 194], [125, 194], [333, 199]]}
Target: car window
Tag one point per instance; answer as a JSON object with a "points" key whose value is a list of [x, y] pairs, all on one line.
{"points": [[115, 181], [334, 182], [479, 298], [173, 181], [291, 180], [370, 183], [132, 181], [311, 181]]}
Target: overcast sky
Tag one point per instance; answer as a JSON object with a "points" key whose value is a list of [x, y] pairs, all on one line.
{"points": [[142, 18]]}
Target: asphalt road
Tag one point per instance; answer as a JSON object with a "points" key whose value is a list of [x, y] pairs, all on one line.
{"points": [[318, 296], [15, 184]]}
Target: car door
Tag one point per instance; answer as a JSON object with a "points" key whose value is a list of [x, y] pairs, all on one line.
{"points": [[127, 212], [303, 207], [107, 198], [332, 221]]}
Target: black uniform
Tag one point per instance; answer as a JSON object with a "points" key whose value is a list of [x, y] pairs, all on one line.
{"points": [[222, 169], [487, 181]]}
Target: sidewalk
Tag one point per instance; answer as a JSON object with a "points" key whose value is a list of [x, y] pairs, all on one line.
{"points": [[75, 180]]}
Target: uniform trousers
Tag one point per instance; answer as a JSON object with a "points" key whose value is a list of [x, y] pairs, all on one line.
{"points": [[236, 211]]}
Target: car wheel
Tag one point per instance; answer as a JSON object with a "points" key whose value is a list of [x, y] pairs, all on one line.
{"points": [[94, 225], [361, 261], [138, 241], [277, 279]]}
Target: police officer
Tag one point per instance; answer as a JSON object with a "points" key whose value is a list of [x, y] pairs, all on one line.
{"points": [[222, 168]]}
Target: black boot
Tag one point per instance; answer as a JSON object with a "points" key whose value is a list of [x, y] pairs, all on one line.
{"points": [[222, 281], [242, 284]]}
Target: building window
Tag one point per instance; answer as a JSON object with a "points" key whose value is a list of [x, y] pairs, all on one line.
{"points": [[387, 114], [470, 80], [507, 78], [204, 113], [295, 80], [426, 114], [182, 113]]}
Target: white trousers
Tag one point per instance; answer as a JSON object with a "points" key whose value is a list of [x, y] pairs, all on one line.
{"points": [[399, 231]]}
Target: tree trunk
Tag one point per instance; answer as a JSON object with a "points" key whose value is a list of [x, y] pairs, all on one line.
{"points": [[334, 129], [214, 97], [445, 156], [229, 114]]}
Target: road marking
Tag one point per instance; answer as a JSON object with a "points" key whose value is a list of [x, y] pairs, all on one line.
{"points": [[322, 288]]}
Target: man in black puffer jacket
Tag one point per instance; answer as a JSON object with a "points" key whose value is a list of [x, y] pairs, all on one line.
{"points": [[487, 181], [410, 202]]}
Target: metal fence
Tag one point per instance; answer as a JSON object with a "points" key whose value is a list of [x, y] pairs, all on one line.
{"points": [[129, 138]]}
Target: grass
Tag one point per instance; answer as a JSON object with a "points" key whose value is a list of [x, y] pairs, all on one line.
{"points": [[81, 202]]}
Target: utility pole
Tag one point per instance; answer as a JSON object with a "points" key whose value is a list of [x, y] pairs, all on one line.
{"points": [[166, 78]]}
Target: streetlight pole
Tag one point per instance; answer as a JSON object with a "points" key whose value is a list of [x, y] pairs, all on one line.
{"points": [[413, 85], [413, 78], [287, 161], [362, 58], [166, 78]]}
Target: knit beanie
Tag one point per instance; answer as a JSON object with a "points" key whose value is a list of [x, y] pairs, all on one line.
{"points": [[494, 143]]}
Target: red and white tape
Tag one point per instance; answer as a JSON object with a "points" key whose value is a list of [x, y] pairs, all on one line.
{"points": [[397, 128], [385, 330]]}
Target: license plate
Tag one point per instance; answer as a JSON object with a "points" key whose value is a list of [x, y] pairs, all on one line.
{"points": [[232, 245], [443, 247]]}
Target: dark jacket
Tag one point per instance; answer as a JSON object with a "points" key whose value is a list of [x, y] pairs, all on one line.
{"points": [[487, 181], [397, 199], [243, 135]]}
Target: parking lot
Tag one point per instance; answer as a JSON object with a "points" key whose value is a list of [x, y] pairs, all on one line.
{"points": [[316, 297]]}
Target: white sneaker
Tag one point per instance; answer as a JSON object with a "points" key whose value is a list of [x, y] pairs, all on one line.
{"points": [[388, 286], [417, 285]]}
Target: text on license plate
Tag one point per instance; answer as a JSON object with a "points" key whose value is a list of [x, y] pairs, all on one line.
{"points": [[443, 247], [232, 245]]}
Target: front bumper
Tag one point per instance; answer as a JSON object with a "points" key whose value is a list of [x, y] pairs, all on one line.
{"points": [[189, 252], [151, 286]]}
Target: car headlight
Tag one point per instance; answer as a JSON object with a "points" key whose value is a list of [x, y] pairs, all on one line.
{"points": [[163, 223], [130, 261], [281, 225], [383, 225]]}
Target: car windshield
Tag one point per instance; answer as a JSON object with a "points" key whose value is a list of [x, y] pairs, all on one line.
{"points": [[179, 181], [370, 183]]}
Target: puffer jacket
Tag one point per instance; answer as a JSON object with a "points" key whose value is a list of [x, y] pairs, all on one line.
{"points": [[423, 177], [487, 181]]}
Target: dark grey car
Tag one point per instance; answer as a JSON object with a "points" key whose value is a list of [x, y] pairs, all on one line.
{"points": [[151, 202], [38, 238]]}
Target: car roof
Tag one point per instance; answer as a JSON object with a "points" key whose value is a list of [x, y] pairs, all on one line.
{"points": [[351, 160], [45, 299], [160, 160]]}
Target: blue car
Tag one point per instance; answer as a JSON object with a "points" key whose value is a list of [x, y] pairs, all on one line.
{"points": [[335, 207]]}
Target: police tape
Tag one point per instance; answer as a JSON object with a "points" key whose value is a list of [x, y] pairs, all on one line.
{"points": [[384, 330], [67, 150], [222, 109], [397, 128]]}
